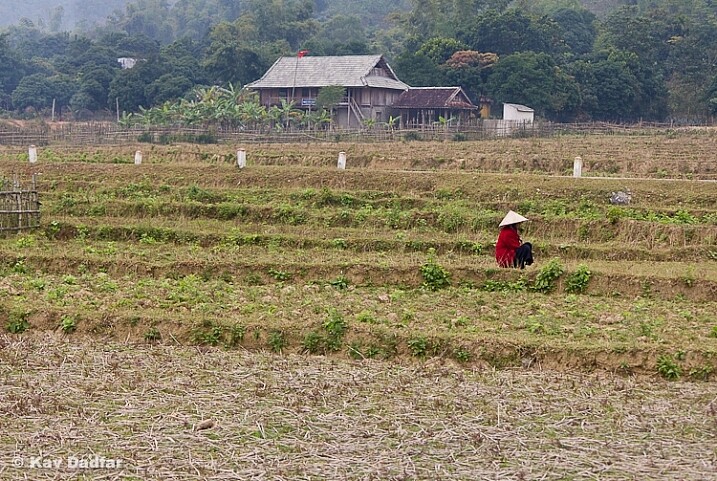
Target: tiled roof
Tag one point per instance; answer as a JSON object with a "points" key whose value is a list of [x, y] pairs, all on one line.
{"points": [[434, 97], [347, 71]]}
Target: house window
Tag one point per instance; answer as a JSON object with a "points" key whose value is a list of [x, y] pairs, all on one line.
{"points": [[306, 93], [283, 93]]}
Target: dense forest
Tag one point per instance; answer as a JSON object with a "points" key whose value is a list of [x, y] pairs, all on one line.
{"points": [[651, 60]]}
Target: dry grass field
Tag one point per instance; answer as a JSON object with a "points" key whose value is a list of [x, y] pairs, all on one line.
{"points": [[291, 321], [184, 413]]}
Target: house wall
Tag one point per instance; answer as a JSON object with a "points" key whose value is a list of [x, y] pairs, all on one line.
{"points": [[303, 97], [428, 117], [374, 103]]}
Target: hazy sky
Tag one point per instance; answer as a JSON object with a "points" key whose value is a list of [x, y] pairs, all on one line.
{"points": [[47, 12]]}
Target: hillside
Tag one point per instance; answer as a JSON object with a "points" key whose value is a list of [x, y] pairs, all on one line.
{"points": [[58, 15]]}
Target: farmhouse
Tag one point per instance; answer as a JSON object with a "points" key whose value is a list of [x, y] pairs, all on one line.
{"points": [[427, 105], [373, 91], [371, 86]]}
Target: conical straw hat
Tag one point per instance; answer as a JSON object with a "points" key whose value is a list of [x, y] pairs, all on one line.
{"points": [[512, 218]]}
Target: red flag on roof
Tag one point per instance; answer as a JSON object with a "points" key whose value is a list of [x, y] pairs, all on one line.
{"points": [[302, 53]]}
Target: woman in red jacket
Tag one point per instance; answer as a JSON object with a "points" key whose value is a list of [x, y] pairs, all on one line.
{"points": [[510, 250]]}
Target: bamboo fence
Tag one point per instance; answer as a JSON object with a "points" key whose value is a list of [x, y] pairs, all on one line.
{"points": [[19, 208], [99, 133]]}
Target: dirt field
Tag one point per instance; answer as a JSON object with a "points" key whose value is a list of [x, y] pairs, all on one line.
{"points": [[289, 321], [177, 412]]}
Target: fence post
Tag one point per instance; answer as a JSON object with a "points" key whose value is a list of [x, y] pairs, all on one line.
{"points": [[342, 161], [578, 167]]}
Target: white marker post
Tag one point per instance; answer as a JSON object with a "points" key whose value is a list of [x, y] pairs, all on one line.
{"points": [[138, 157], [342, 161], [32, 154], [578, 167], [241, 158]]}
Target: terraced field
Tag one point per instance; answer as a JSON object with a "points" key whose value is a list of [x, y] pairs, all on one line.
{"points": [[379, 267]]}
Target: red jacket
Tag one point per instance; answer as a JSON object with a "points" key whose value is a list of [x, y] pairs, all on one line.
{"points": [[508, 241]]}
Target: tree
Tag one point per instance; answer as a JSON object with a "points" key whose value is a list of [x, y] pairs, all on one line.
{"points": [[513, 31], [232, 62], [578, 29], [535, 80], [32, 91], [440, 49], [339, 35], [13, 70], [93, 85], [468, 69], [231, 56], [129, 85], [38, 91], [329, 96], [418, 69], [167, 87], [609, 91]]}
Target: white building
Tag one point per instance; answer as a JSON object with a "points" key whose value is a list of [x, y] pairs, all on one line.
{"points": [[518, 112], [127, 62]]}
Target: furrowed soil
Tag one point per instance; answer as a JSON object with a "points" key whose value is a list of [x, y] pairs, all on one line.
{"points": [[353, 325], [182, 413]]}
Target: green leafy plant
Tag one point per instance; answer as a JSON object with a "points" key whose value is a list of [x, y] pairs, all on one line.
{"points": [[470, 246], [418, 346], [340, 283], [668, 367], [462, 354], [435, 277], [279, 275], [314, 343], [208, 334], [68, 323], [339, 243], [152, 334], [17, 321], [504, 286], [366, 317], [546, 279], [276, 341], [335, 325], [577, 282], [236, 335], [701, 373], [25, 241]]}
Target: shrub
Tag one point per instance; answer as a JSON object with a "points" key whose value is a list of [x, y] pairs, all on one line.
{"points": [[459, 137], [340, 283], [68, 323], [577, 282], [668, 367], [313, 343], [278, 275], [435, 277], [276, 341], [408, 136], [418, 346], [152, 334], [545, 281], [17, 321], [236, 334]]}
